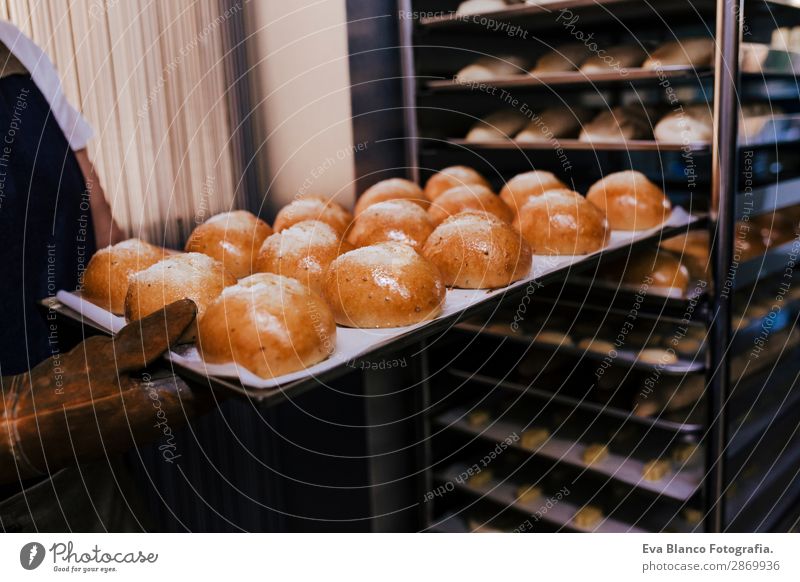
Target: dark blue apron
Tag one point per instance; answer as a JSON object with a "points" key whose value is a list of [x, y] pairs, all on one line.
{"points": [[46, 235]]}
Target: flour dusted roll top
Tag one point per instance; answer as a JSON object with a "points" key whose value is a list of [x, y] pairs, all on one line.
{"points": [[658, 270], [630, 201], [476, 250], [105, 280], [391, 189], [473, 197], [383, 285], [562, 222], [694, 52], [614, 59], [499, 126], [561, 59], [192, 276], [233, 238], [269, 324], [303, 252], [522, 186], [451, 177], [399, 221], [313, 208], [478, 6], [692, 124]]}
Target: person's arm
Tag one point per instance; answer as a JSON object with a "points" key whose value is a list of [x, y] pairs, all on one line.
{"points": [[90, 402], [106, 230]]}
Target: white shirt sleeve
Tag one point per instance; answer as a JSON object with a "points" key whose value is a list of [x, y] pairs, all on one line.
{"points": [[75, 127]]}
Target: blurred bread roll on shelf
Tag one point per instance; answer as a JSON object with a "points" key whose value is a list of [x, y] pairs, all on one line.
{"points": [[616, 58], [691, 124], [498, 126], [693, 52], [488, 68], [562, 59]]}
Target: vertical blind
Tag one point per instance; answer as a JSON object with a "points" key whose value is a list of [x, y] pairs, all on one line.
{"points": [[151, 79]]}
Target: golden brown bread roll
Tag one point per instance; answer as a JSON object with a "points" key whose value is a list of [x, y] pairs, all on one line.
{"points": [[561, 59], [232, 238], [617, 125], [662, 269], [399, 221], [522, 186], [630, 201], [693, 52], [303, 252], [391, 189], [105, 280], [268, 324], [472, 197], [616, 58], [692, 124], [587, 517], [451, 177], [383, 285], [562, 222], [192, 276], [313, 208], [692, 248], [477, 250]]}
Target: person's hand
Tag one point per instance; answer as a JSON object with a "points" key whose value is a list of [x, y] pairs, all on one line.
{"points": [[87, 403]]}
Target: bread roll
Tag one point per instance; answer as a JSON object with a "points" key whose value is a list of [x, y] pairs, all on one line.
{"points": [[473, 197], [561, 59], [303, 252], [556, 122], [313, 208], [618, 125], [399, 221], [752, 57], [498, 126], [658, 270], [451, 177], [693, 52], [630, 201], [468, 7], [192, 276], [692, 124], [614, 59], [232, 238], [268, 324], [562, 222], [383, 285], [476, 250], [488, 68], [105, 280], [391, 189], [693, 250], [522, 186]]}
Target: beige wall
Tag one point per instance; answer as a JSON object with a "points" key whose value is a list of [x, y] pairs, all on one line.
{"points": [[302, 79]]}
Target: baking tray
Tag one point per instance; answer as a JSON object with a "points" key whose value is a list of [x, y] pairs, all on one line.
{"points": [[569, 78], [504, 493], [660, 423], [681, 485], [354, 345], [627, 358]]}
